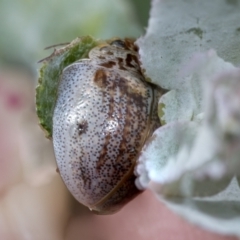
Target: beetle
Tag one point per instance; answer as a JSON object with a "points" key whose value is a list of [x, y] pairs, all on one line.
{"points": [[104, 114]]}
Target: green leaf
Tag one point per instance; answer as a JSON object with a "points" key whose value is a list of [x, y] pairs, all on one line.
{"points": [[46, 92]]}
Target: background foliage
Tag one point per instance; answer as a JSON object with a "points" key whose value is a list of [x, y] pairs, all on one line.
{"points": [[27, 27]]}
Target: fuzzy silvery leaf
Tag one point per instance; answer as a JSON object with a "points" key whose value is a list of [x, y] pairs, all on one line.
{"points": [[176, 31], [219, 213], [192, 49], [156, 155]]}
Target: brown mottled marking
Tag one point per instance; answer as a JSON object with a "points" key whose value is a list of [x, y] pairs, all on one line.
{"points": [[100, 78], [119, 197], [83, 173], [140, 99], [135, 59], [109, 64], [121, 64], [103, 154], [130, 45], [129, 60], [102, 158], [123, 87]]}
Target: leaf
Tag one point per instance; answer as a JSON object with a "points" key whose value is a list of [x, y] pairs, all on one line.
{"points": [[220, 213], [46, 92], [163, 145], [177, 30], [190, 163]]}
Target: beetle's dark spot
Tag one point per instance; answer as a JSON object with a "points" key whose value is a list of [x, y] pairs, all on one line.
{"points": [[135, 59], [109, 53], [119, 43], [130, 44], [82, 127], [120, 61], [109, 64], [100, 78], [135, 48], [120, 64], [101, 57], [129, 60]]}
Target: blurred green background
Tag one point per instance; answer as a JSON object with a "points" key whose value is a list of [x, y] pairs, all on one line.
{"points": [[28, 26]]}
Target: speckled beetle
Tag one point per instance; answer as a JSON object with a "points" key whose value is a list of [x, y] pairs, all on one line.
{"points": [[104, 113]]}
